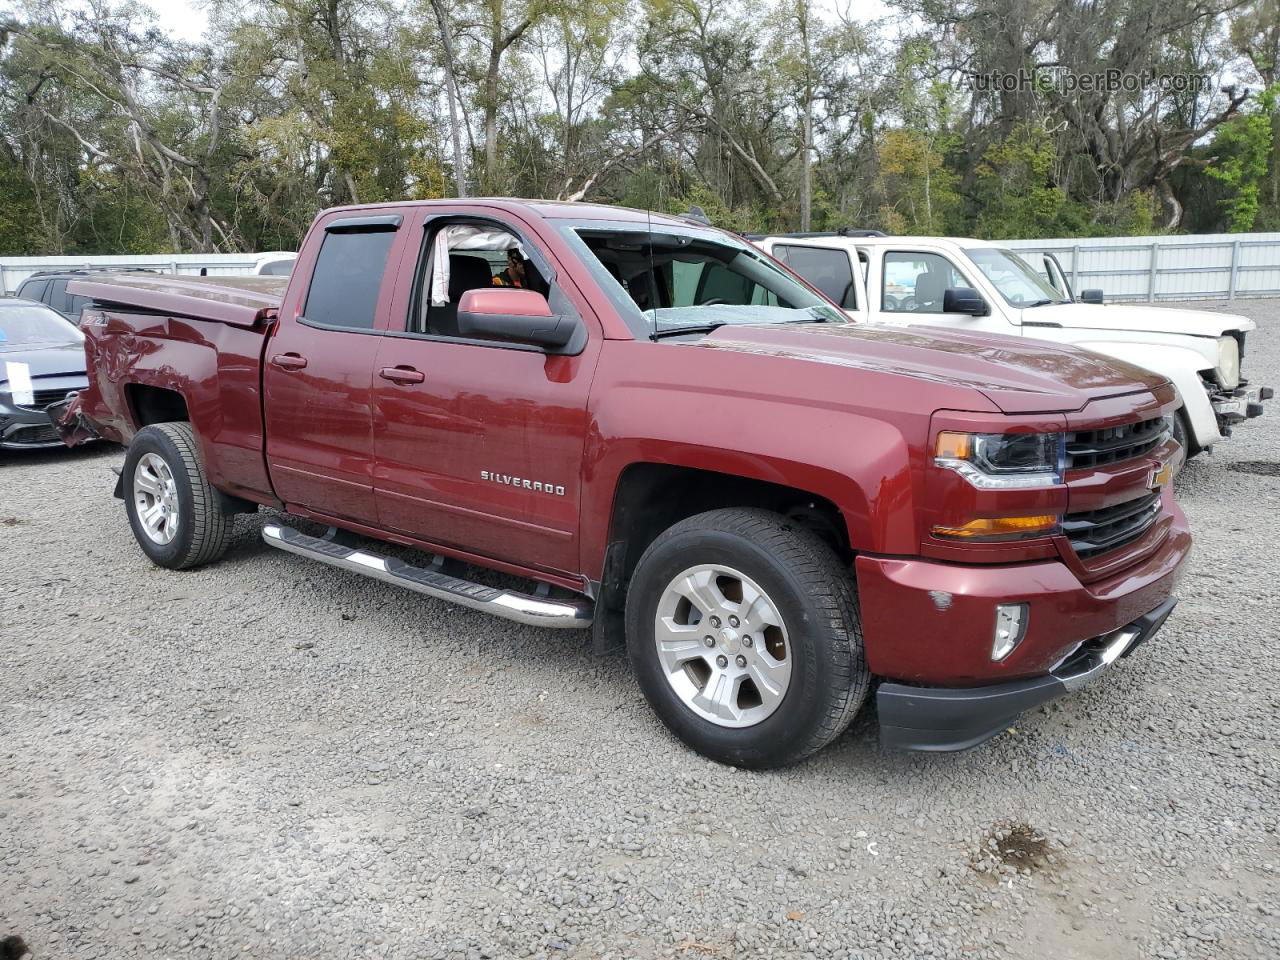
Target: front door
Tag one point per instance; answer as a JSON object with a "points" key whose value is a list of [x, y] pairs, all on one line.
{"points": [[480, 444], [318, 372], [911, 286]]}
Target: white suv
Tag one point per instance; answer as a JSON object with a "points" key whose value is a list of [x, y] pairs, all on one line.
{"points": [[978, 285]]}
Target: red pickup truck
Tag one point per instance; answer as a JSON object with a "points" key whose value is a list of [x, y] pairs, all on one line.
{"points": [[658, 433]]}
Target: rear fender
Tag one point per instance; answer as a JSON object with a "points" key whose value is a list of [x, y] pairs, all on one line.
{"points": [[215, 367]]}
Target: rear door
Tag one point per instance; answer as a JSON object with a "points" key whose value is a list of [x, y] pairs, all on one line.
{"points": [[831, 269], [318, 367], [480, 444]]}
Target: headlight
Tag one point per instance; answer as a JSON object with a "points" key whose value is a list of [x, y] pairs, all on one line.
{"points": [[1002, 461], [1229, 362]]}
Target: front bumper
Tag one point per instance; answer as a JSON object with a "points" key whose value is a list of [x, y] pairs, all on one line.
{"points": [[24, 429], [948, 718], [1235, 406]]}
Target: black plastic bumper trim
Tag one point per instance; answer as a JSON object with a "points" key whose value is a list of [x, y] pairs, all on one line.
{"points": [[945, 719]]}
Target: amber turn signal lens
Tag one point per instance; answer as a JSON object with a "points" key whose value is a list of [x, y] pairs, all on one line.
{"points": [[995, 527], [954, 446]]}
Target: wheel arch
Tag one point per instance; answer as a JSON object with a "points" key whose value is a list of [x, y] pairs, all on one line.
{"points": [[650, 497], [150, 404]]}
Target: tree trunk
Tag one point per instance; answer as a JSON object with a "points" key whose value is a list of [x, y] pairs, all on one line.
{"points": [[806, 167], [451, 91], [806, 160], [490, 96]]}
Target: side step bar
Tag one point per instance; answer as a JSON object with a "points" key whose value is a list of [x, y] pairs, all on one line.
{"points": [[520, 607]]}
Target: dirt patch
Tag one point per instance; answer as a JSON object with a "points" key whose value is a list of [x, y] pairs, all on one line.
{"points": [[1013, 848], [11, 521], [1258, 468]]}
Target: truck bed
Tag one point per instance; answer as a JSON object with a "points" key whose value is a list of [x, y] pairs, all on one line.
{"points": [[239, 301], [182, 348]]}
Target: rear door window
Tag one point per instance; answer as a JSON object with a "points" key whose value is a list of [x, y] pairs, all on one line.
{"points": [[56, 296], [828, 270], [75, 306], [348, 275], [33, 290]]}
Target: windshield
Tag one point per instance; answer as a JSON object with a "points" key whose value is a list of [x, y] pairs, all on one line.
{"points": [[674, 278], [29, 324], [1017, 281]]}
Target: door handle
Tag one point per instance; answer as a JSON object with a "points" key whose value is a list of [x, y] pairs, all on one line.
{"points": [[289, 361], [402, 375]]}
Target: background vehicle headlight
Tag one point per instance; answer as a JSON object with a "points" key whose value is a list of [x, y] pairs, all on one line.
{"points": [[1229, 362], [1003, 460]]}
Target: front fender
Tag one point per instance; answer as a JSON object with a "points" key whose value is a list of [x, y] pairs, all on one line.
{"points": [[863, 453], [1182, 366]]}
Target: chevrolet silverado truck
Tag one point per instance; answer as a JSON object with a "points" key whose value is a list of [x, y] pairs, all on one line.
{"points": [[655, 432], [979, 286]]}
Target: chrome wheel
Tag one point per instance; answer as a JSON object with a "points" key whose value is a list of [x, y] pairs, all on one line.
{"points": [[155, 498], [723, 646]]}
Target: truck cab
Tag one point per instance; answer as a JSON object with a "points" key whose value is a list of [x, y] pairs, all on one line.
{"points": [[979, 286]]}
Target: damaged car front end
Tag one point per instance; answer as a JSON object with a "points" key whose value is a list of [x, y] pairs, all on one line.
{"points": [[41, 362], [69, 423]]}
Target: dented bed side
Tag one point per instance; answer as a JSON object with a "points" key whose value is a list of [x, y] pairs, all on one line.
{"points": [[163, 348]]}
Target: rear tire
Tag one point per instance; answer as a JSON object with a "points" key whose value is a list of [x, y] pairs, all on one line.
{"points": [[785, 673], [174, 512]]}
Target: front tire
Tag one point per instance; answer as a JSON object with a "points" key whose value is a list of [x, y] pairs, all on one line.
{"points": [[1186, 439], [784, 671], [174, 512]]}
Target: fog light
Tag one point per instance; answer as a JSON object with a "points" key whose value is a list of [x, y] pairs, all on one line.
{"points": [[1011, 625]]}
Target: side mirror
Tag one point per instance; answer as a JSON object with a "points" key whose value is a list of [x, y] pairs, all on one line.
{"points": [[514, 315], [964, 300], [1090, 296]]}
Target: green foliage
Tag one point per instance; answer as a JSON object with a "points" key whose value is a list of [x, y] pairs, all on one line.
{"points": [[1243, 149], [1016, 190], [920, 195], [19, 213], [117, 138]]}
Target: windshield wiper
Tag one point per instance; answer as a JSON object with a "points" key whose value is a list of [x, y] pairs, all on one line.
{"points": [[1040, 303], [657, 334]]}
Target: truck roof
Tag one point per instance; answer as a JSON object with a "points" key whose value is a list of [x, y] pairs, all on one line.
{"points": [[548, 209], [893, 240], [240, 301]]}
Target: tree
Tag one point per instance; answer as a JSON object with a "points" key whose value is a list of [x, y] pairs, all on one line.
{"points": [[1242, 149]]}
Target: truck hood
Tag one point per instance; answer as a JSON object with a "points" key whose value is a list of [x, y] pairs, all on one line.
{"points": [[1017, 375], [1121, 316]]}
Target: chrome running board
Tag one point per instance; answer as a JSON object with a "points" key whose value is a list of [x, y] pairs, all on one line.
{"points": [[520, 607]]}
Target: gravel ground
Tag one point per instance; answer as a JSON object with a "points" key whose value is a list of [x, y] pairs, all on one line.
{"points": [[270, 758]]}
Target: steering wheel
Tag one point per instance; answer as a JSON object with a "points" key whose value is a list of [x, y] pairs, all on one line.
{"points": [[713, 302]]}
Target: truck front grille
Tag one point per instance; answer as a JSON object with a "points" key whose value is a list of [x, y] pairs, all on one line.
{"points": [[1097, 531], [1097, 448]]}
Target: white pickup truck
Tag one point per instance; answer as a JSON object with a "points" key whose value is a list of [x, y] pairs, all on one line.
{"points": [[978, 285]]}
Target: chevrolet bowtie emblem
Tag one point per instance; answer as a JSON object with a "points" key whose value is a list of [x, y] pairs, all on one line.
{"points": [[1161, 476]]}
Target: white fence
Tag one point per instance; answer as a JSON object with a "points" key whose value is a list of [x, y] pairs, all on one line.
{"points": [[13, 270], [1214, 266], [1220, 266]]}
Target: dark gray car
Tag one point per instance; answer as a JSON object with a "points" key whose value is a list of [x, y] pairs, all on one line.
{"points": [[41, 360]]}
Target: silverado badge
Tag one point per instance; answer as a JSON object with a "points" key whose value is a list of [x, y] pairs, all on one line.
{"points": [[524, 483]]}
